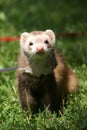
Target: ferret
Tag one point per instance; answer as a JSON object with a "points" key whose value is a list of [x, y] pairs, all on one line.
{"points": [[44, 79]]}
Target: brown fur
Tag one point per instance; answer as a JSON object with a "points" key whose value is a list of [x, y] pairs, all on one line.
{"points": [[35, 93]]}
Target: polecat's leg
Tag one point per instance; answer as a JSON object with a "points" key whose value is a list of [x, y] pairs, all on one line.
{"points": [[22, 95]]}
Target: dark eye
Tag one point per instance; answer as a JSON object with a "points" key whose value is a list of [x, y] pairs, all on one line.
{"points": [[30, 43], [46, 41]]}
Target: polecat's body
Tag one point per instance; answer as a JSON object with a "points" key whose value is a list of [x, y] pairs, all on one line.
{"points": [[43, 76]]}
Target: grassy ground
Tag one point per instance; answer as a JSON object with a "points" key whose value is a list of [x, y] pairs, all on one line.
{"points": [[61, 17], [74, 116]]}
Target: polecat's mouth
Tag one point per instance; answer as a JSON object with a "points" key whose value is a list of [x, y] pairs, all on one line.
{"points": [[40, 53]]}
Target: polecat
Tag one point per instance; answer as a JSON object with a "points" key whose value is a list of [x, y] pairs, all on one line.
{"points": [[43, 76]]}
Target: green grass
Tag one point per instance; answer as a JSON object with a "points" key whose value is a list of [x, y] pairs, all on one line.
{"points": [[74, 116], [61, 16]]}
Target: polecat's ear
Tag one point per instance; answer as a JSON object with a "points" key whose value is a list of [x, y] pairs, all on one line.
{"points": [[51, 34], [24, 37]]}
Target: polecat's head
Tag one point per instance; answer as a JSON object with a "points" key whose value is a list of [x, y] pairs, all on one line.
{"points": [[37, 42]]}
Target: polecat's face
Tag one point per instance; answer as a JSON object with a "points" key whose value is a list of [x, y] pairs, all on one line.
{"points": [[37, 42]]}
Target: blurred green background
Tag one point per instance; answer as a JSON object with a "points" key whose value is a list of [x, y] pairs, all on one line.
{"points": [[27, 15]]}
